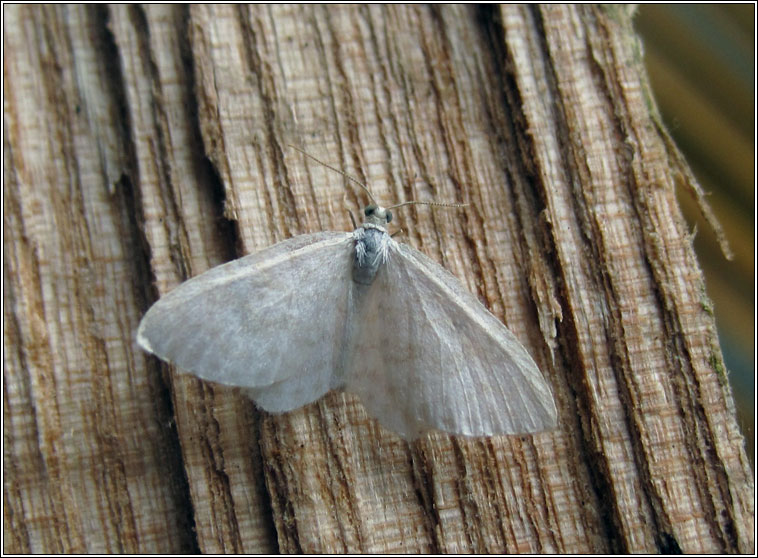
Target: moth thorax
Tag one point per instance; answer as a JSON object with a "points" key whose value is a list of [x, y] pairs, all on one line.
{"points": [[370, 252]]}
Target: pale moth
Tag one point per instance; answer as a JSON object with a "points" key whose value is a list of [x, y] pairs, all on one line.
{"points": [[360, 312]]}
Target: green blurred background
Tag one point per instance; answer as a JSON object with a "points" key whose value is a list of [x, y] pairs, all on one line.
{"points": [[701, 63]]}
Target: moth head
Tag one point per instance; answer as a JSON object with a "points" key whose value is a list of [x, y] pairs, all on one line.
{"points": [[377, 215]]}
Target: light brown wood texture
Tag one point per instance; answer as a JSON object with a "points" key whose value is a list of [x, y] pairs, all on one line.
{"points": [[700, 59], [145, 144]]}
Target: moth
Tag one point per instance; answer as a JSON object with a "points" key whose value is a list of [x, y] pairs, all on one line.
{"points": [[356, 311]]}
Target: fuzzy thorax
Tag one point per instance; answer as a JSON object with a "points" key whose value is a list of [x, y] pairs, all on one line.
{"points": [[371, 251]]}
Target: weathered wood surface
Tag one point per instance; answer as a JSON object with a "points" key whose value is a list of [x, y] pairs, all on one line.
{"points": [[144, 145]]}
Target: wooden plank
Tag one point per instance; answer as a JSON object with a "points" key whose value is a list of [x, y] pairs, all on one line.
{"points": [[91, 459], [538, 117]]}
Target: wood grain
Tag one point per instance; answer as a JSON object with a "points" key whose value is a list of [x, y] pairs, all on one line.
{"points": [[145, 144]]}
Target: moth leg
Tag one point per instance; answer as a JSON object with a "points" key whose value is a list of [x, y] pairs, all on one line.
{"points": [[352, 218], [398, 231]]}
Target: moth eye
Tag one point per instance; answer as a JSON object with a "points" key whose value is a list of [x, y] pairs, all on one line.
{"points": [[370, 209], [389, 216]]}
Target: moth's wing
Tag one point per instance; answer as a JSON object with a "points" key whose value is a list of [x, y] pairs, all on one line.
{"points": [[262, 319], [429, 355], [295, 391]]}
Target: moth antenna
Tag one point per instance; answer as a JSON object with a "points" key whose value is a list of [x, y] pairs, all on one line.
{"points": [[365, 188], [352, 218], [343, 173], [435, 204]]}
